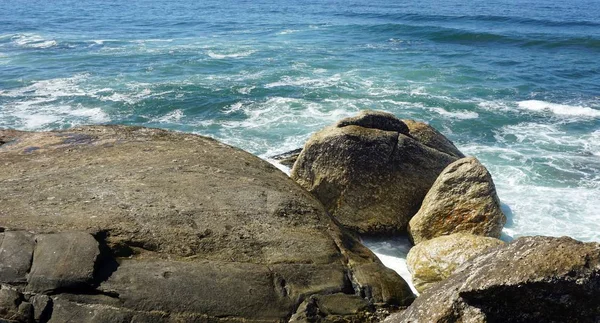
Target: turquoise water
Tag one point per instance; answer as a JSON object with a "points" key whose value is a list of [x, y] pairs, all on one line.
{"points": [[515, 83]]}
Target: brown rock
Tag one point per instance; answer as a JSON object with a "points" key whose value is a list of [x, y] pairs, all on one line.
{"points": [[532, 279], [371, 180], [205, 231], [434, 260], [462, 199]]}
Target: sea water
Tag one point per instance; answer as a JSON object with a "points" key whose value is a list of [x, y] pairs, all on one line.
{"points": [[514, 83]]}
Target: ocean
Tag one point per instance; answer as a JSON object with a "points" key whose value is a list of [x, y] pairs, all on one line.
{"points": [[514, 83]]}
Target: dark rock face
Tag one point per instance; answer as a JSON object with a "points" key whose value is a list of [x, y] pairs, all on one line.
{"points": [[375, 120], [533, 279], [462, 199], [368, 173], [145, 225]]}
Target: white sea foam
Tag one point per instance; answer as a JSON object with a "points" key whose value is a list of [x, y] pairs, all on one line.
{"points": [[559, 109], [29, 40], [34, 115], [307, 82], [392, 253], [225, 55], [246, 90], [173, 116], [287, 31], [460, 114], [548, 177]]}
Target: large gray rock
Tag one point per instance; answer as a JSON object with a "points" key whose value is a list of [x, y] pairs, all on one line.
{"points": [[200, 230], [434, 260], [368, 173], [462, 199], [16, 251], [63, 261], [532, 279]]}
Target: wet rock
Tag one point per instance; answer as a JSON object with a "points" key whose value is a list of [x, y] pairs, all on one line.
{"points": [[532, 279], [462, 199], [429, 136], [434, 260], [63, 261], [372, 180], [16, 251]]}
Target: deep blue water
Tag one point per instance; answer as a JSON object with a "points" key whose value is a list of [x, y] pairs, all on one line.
{"points": [[515, 83]]}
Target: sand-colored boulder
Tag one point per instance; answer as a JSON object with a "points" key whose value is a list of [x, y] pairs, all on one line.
{"points": [[368, 173], [532, 279], [147, 225], [462, 199], [429, 136], [435, 260]]}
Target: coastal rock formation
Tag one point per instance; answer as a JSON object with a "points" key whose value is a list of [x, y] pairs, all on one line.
{"points": [[368, 172], [434, 260], [429, 136], [462, 199], [532, 279], [130, 224]]}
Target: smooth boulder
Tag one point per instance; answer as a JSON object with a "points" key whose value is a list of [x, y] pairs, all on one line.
{"points": [[147, 225], [532, 279], [368, 172], [435, 260], [462, 199]]}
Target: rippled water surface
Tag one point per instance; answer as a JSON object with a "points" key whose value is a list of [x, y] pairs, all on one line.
{"points": [[515, 83]]}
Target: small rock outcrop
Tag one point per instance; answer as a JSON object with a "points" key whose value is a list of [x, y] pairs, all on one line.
{"points": [[429, 136], [435, 260], [129, 224], [368, 172], [532, 279], [462, 199], [288, 158]]}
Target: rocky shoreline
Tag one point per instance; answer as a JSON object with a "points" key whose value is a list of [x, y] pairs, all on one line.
{"points": [[132, 224]]}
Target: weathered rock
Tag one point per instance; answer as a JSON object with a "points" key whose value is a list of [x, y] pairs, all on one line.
{"points": [[462, 199], [62, 261], [434, 260], [371, 180], [16, 251], [429, 136], [205, 231], [532, 279]]}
